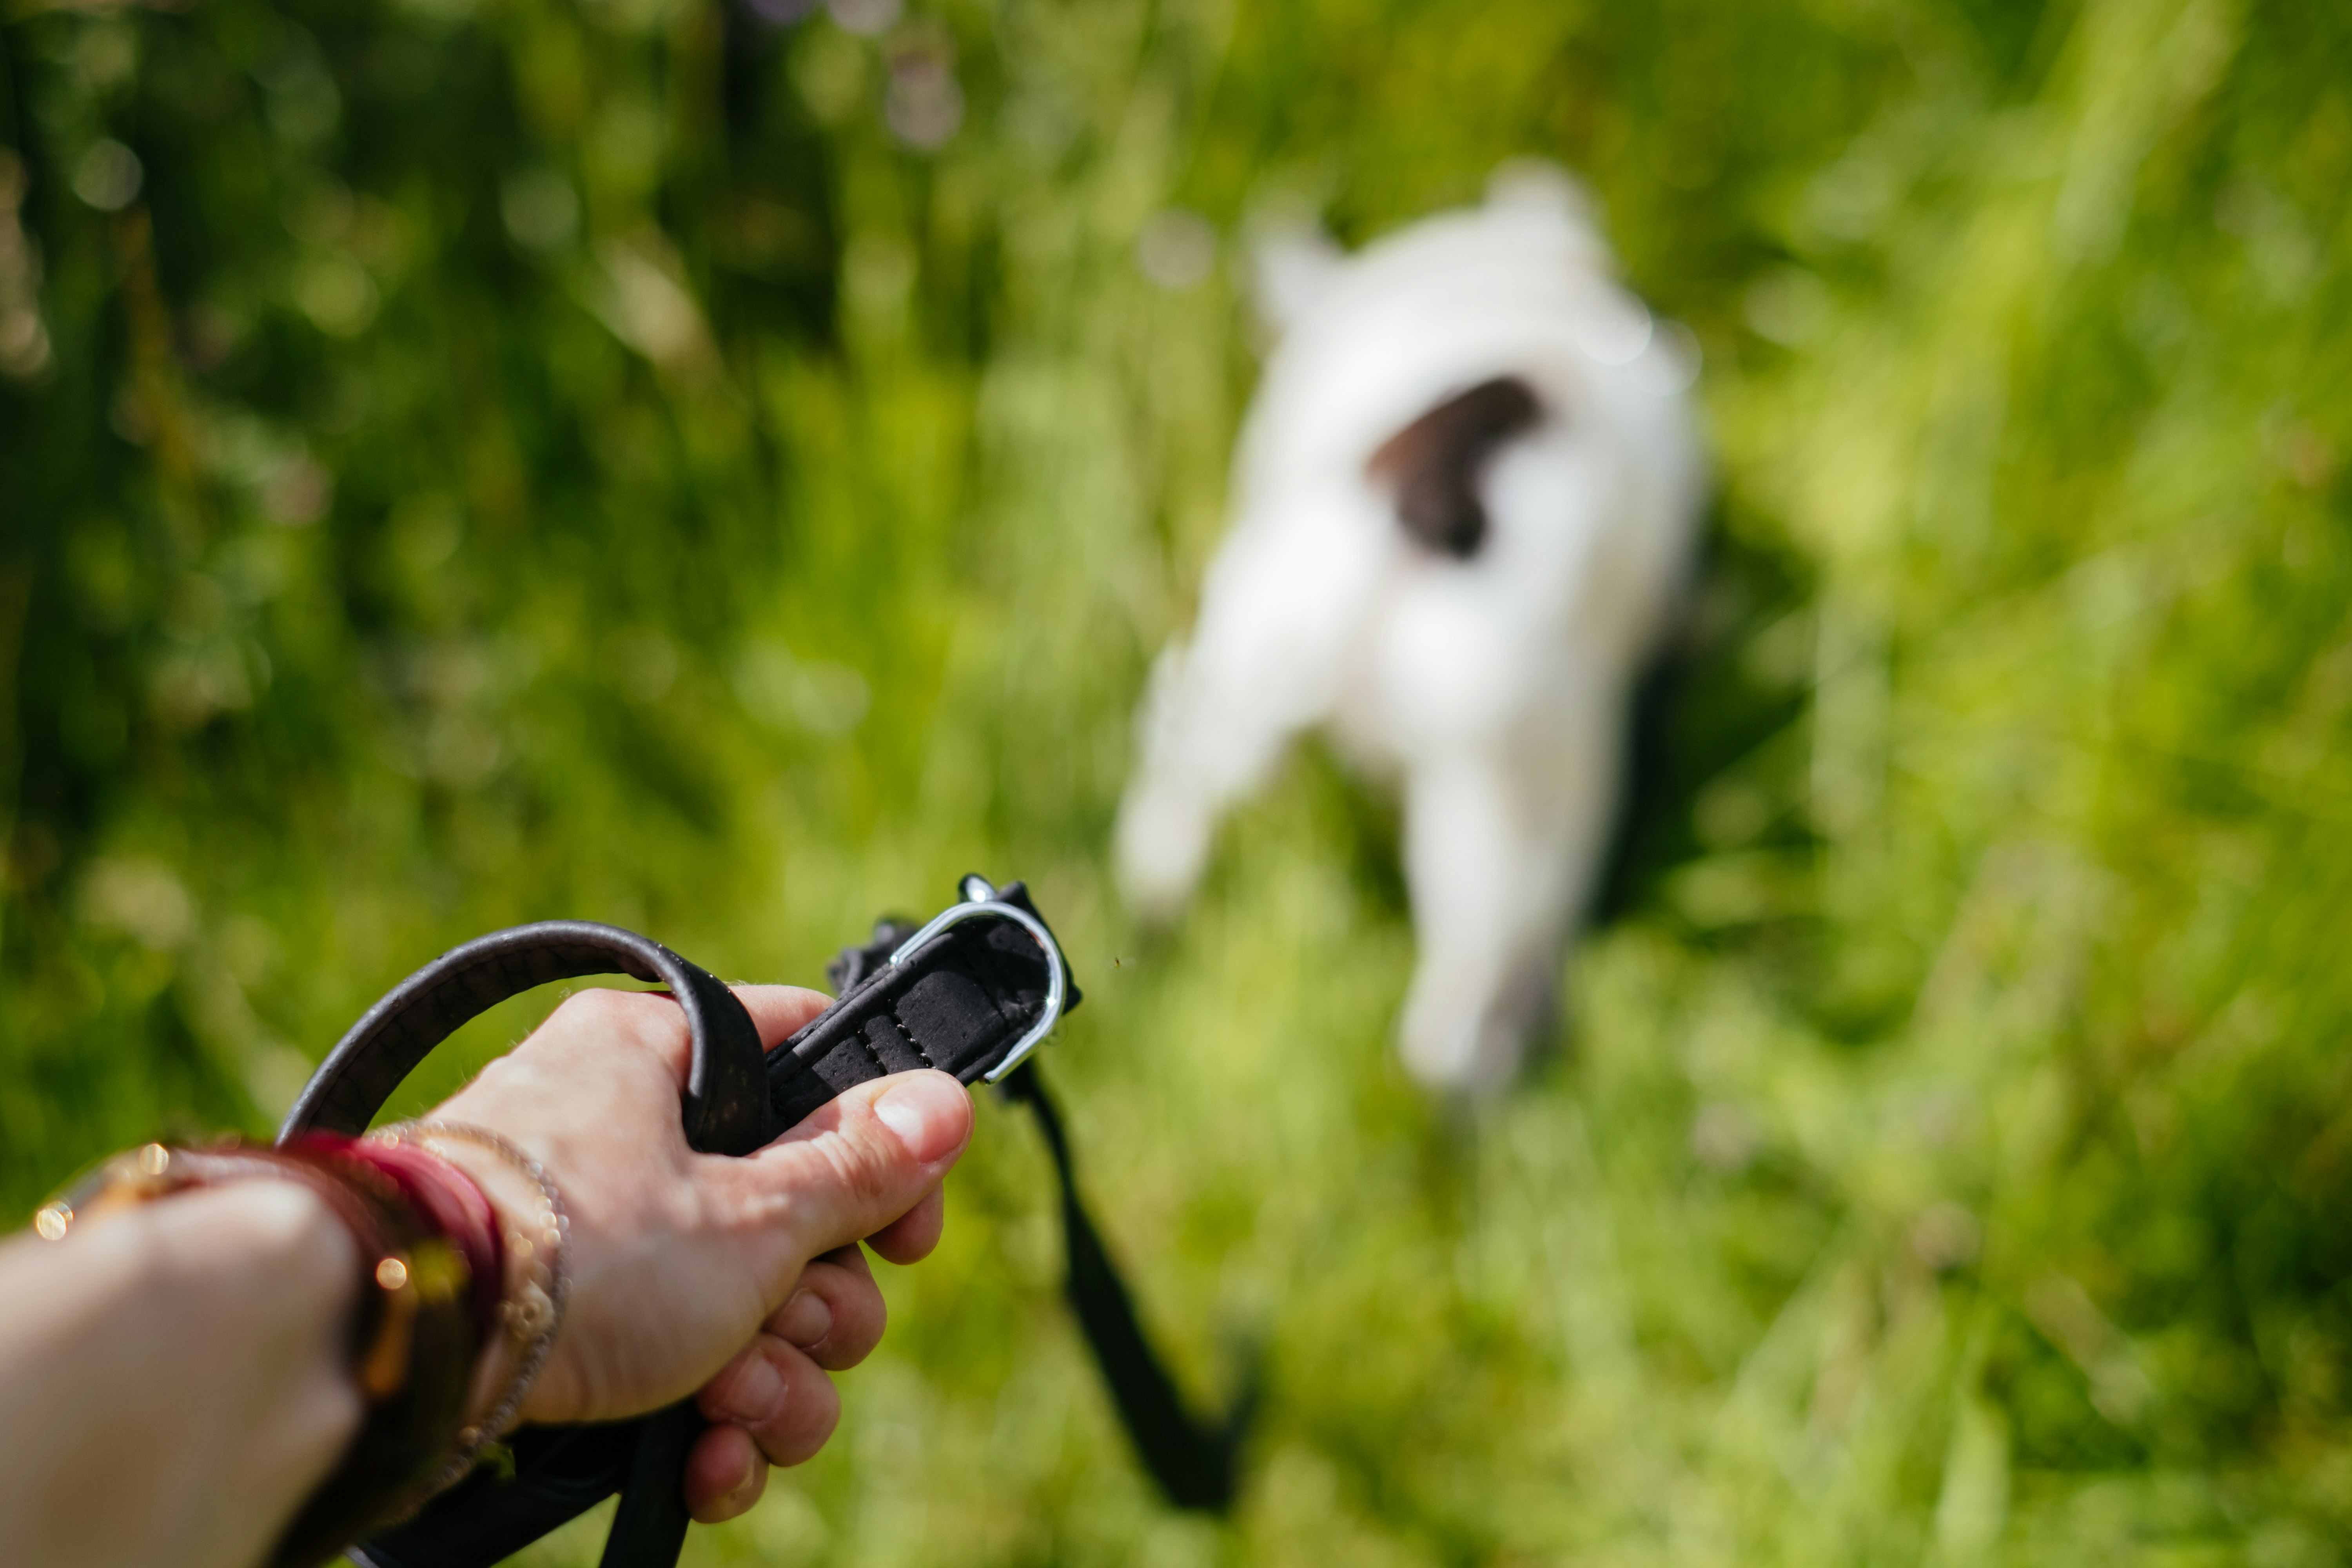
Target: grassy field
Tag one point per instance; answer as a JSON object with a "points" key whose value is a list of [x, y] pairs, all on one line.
{"points": [[476, 460]]}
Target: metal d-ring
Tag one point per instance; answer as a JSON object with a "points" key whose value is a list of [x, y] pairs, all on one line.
{"points": [[1056, 986]]}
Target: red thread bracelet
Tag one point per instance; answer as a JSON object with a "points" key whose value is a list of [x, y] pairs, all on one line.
{"points": [[449, 1198]]}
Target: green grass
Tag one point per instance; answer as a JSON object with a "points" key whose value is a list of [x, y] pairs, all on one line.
{"points": [[1949, 1158]]}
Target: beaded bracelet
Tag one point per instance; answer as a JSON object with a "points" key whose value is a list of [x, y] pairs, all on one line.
{"points": [[532, 1310]]}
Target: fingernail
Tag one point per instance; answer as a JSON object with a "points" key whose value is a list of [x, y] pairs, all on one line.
{"points": [[926, 1112], [755, 1393], [804, 1320], [747, 1490]]}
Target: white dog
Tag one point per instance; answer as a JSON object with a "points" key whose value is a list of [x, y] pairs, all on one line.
{"points": [[1465, 508]]}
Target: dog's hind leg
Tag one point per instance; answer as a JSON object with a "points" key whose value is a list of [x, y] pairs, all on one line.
{"points": [[1280, 611], [1500, 851]]}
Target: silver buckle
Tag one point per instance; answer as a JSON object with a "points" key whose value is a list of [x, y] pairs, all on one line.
{"points": [[980, 899]]}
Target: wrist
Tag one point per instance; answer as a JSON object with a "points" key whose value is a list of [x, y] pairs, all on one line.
{"points": [[95, 1373], [534, 1255], [513, 1204], [409, 1340]]}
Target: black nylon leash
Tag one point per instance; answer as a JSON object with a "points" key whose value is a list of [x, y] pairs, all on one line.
{"points": [[971, 992], [1196, 1462]]}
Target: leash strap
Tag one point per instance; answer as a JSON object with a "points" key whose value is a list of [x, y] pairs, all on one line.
{"points": [[1196, 1462], [725, 1108], [971, 993]]}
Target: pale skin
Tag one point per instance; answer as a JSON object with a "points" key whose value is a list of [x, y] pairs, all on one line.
{"points": [[172, 1378]]}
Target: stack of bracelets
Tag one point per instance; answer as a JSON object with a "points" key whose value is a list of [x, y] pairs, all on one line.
{"points": [[455, 1314]]}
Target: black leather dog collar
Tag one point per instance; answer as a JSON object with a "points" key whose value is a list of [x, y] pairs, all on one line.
{"points": [[969, 998]]}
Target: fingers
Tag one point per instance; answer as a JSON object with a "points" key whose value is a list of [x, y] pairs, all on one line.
{"points": [[854, 1166], [602, 1020], [725, 1474], [835, 1313], [682, 1257], [768, 1407], [652, 1021], [775, 1393], [778, 1011], [910, 1237]]}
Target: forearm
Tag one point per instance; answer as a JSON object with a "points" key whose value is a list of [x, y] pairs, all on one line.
{"points": [[173, 1378], [177, 1373]]}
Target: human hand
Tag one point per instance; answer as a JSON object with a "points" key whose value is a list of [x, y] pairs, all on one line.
{"points": [[737, 1280]]}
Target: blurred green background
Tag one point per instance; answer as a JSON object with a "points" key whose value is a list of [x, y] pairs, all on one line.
{"points": [[725, 472]]}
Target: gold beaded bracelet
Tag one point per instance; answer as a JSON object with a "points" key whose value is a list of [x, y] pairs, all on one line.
{"points": [[538, 1249]]}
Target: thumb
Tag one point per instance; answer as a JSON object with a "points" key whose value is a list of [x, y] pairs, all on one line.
{"points": [[863, 1159]]}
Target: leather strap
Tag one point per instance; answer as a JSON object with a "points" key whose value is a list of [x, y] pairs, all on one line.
{"points": [[725, 1103], [961, 1002]]}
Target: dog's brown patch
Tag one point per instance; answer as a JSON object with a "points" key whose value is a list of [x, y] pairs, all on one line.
{"points": [[1434, 463]]}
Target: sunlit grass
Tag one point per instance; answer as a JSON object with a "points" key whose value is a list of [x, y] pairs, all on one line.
{"points": [[1948, 1155]]}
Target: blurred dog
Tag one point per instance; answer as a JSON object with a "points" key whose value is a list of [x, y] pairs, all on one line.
{"points": [[1465, 508]]}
